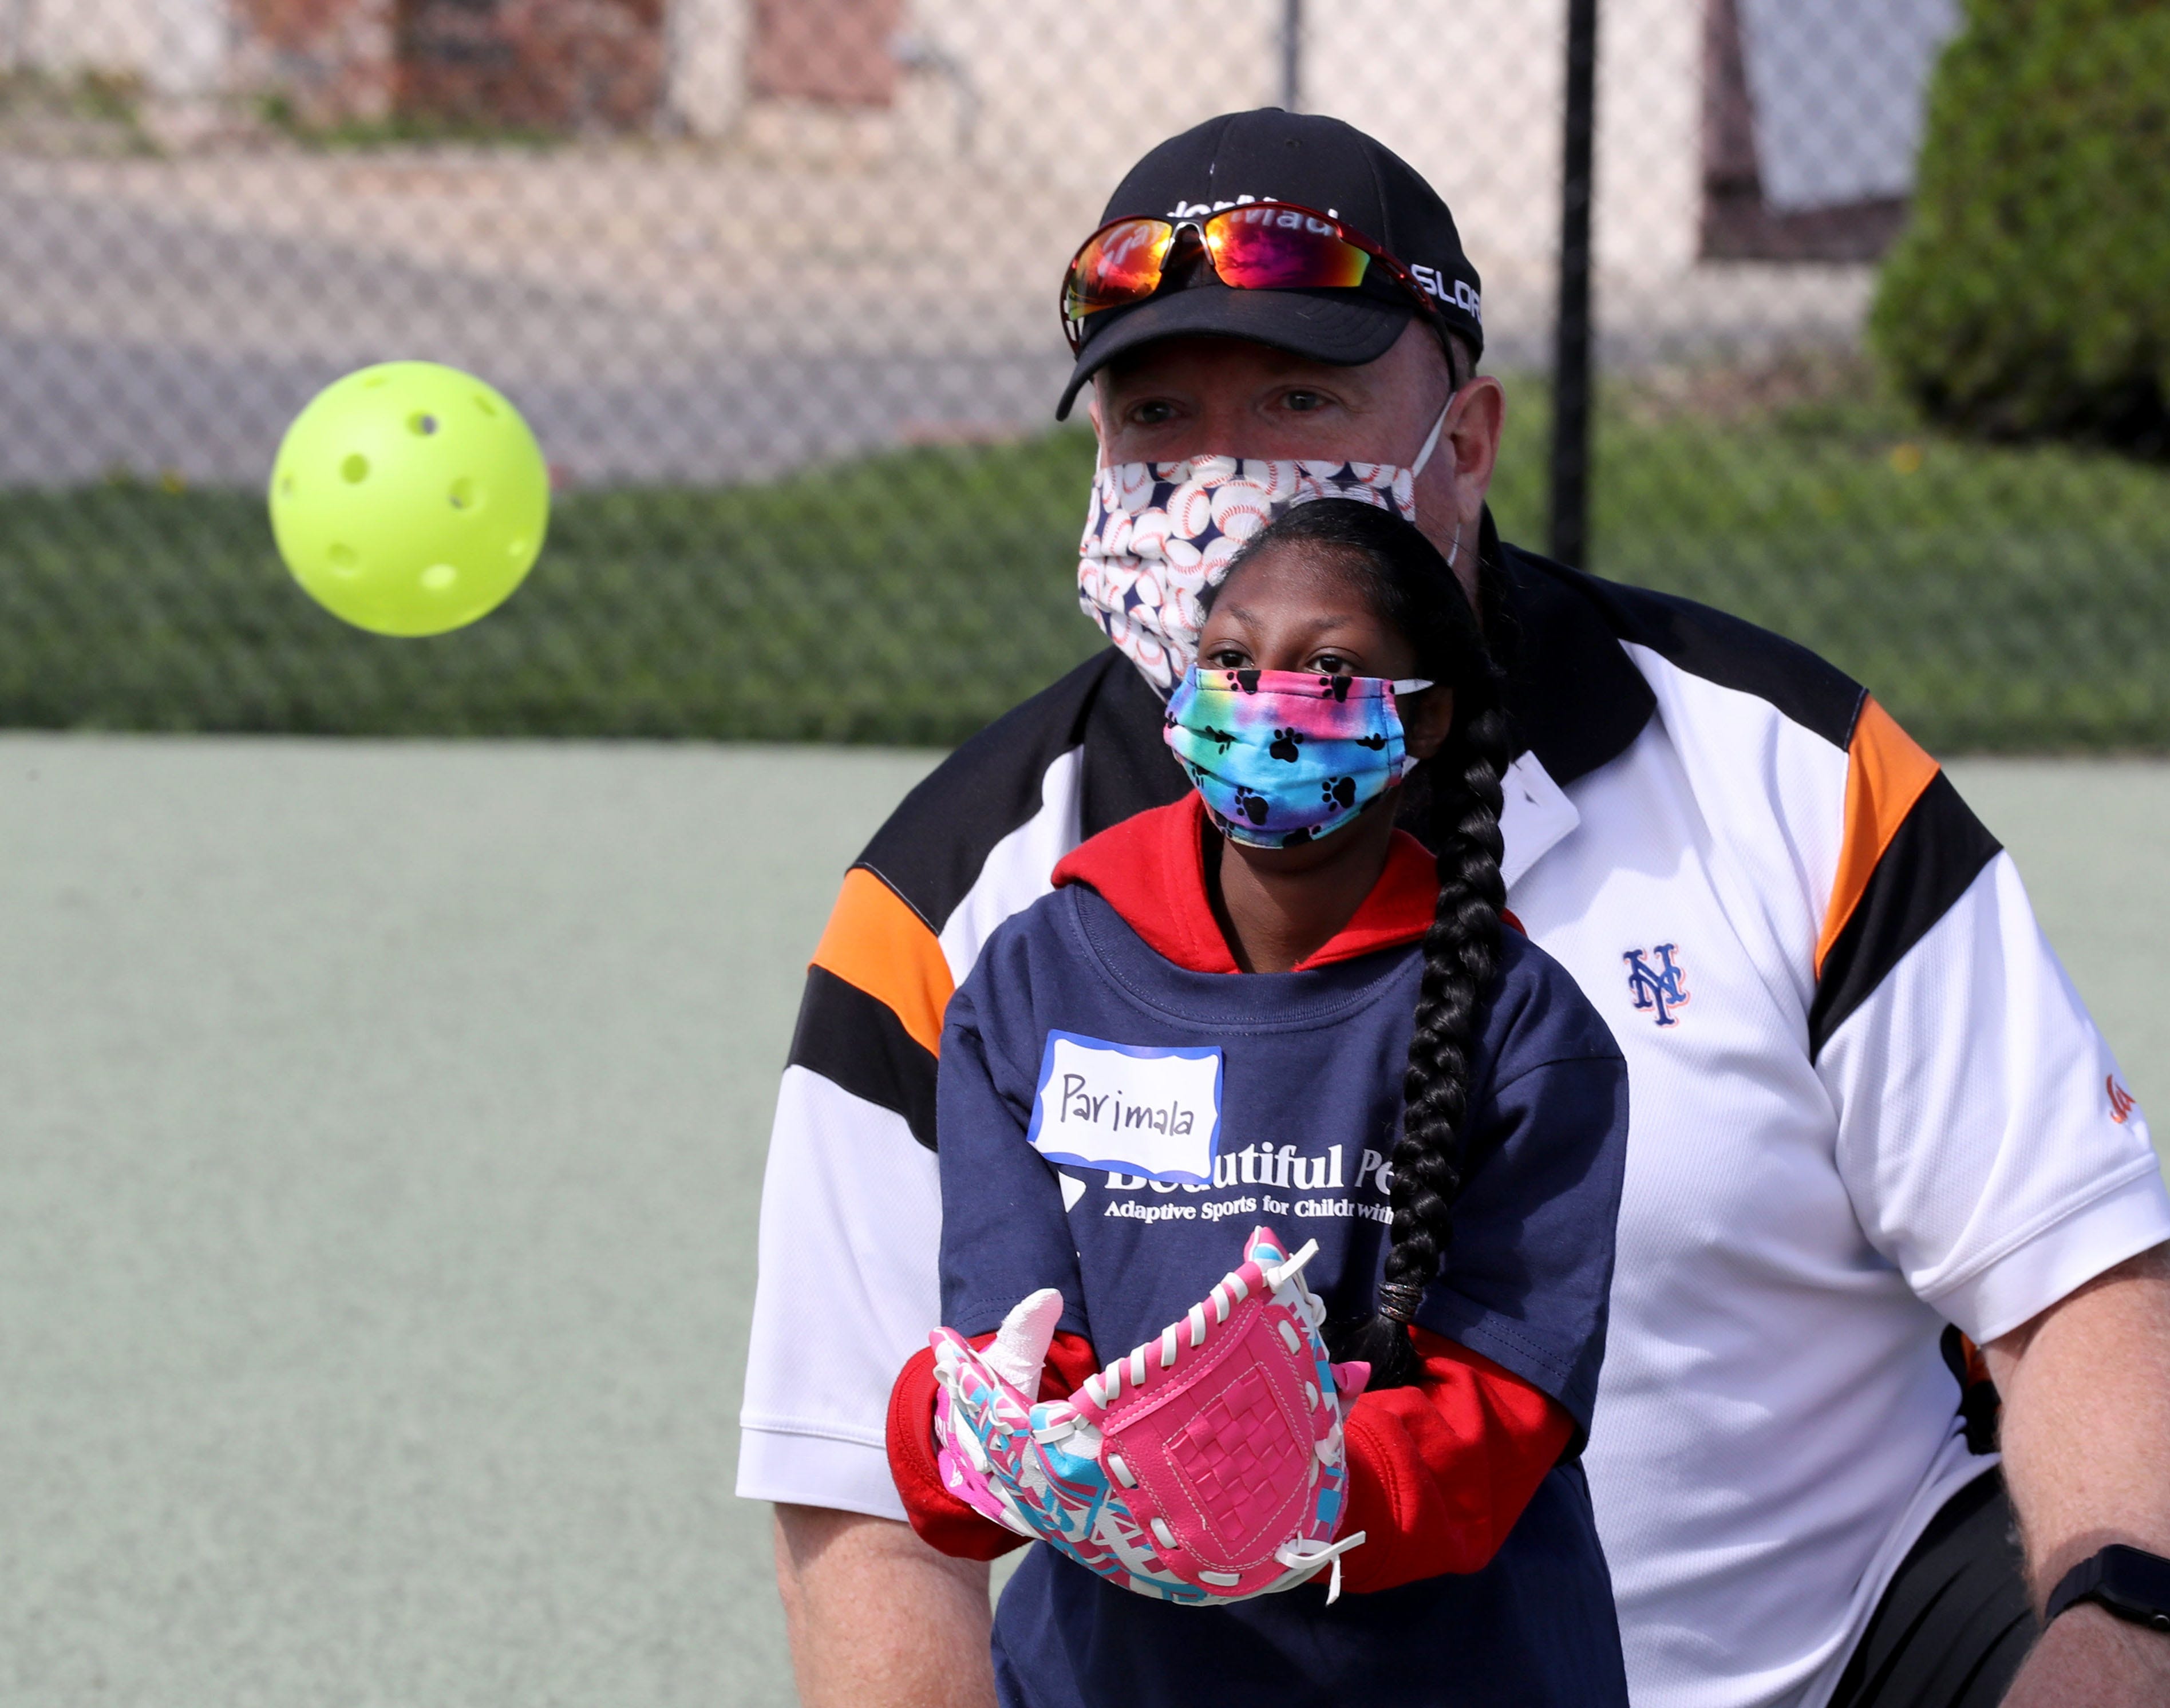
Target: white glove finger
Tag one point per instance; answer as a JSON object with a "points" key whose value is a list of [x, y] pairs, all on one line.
{"points": [[1020, 1348]]}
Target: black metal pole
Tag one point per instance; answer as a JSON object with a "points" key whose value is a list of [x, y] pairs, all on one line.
{"points": [[1570, 494], [1291, 54]]}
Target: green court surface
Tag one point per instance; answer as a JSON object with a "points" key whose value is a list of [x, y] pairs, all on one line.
{"points": [[381, 1134]]}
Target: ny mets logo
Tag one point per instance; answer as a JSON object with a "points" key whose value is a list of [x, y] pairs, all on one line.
{"points": [[1663, 987]]}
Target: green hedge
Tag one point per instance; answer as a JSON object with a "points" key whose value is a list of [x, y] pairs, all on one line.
{"points": [[2030, 295], [2011, 597]]}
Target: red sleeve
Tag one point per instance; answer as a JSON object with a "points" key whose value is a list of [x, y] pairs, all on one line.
{"points": [[1439, 1470], [944, 1522]]}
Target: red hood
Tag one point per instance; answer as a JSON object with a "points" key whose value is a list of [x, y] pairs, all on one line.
{"points": [[1151, 870]]}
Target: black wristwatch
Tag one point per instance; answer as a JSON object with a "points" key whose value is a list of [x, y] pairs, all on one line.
{"points": [[2130, 1583]]}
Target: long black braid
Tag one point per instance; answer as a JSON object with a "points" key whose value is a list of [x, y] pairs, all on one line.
{"points": [[1456, 799], [1461, 960]]}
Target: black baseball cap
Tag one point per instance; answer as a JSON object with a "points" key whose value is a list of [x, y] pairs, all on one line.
{"points": [[1269, 155]]}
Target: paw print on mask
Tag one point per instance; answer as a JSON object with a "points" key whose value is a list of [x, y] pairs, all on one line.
{"points": [[1334, 687], [1251, 804], [1285, 745], [1338, 791], [1221, 738], [1375, 742]]}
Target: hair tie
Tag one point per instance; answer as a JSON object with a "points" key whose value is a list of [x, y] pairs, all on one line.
{"points": [[1398, 1301]]}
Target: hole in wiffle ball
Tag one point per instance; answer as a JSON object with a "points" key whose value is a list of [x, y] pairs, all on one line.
{"points": [[465, 494], [344, 558], [355, 470], [439, 576], [484, 404], [517, 547], [286, 486], [423, 423]]}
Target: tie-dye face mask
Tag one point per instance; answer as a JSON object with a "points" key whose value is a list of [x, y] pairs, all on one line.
{"points": [[1159, 534], [1286, 756]]}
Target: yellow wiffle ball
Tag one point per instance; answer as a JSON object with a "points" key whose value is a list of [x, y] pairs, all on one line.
{"points": [[410, 498]]}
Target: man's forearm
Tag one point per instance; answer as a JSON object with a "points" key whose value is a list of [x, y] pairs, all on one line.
{"points": [[2086, 1434], [877, 1619]]}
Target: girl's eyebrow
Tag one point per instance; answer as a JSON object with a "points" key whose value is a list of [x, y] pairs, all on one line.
{"points": [[1233, 606], [1324, 624]]}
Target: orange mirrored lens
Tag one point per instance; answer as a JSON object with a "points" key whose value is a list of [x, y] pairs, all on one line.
{"points": [[1119, 265], [1268, 248]]}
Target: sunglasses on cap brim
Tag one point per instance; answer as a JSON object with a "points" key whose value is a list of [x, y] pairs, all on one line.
{"points": [[1257, 246]]}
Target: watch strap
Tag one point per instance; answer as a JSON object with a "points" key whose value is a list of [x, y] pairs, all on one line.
{"points": [[2130, 1583]]}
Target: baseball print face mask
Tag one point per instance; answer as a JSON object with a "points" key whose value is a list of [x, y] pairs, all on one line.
{"points": [[1159, 534], [1286, 756]]}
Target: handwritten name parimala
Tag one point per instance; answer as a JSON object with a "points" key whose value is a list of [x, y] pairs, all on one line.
{"points": [[1148, 1109], [1080, 1102]]}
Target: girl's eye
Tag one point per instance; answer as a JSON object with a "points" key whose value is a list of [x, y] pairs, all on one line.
{"points": [[1227, 658], [1333, 665]]}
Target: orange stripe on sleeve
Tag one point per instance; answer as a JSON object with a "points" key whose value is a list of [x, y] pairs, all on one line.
{"points": [[1886, 771], [875, 941]]}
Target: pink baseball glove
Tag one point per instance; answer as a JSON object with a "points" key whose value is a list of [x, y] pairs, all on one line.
{"points": [[1205, 1466]]}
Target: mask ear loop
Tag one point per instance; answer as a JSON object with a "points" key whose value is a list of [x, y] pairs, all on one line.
{"points": [[1416, 468], [1431, 439]]}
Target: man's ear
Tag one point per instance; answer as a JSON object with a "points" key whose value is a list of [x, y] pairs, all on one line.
{"points": [[1426, 718], [1473, 434]]}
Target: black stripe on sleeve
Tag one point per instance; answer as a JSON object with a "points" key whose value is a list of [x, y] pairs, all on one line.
{"points": [[856, 1042], [1723, 649], [935, 844], [931, 850], [1128, 767], [1933, 858]]}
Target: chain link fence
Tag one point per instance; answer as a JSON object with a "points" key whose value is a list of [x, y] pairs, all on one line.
{"points": [[775, 280]]}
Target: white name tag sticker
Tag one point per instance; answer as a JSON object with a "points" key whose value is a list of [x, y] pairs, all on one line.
{"points": [[1129, 1108]]}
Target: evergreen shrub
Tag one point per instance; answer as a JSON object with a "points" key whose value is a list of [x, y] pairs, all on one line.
{"points": [[2029, 295]]}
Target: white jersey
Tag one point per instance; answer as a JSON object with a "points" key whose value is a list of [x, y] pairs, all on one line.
{"points": [[1867, 1103]]}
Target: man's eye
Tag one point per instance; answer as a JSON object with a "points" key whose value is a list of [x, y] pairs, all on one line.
{"points": [[1303, 402], [1154, 414]]}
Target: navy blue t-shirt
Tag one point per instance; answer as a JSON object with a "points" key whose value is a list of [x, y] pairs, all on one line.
{"points": [[1275, 1098]]}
